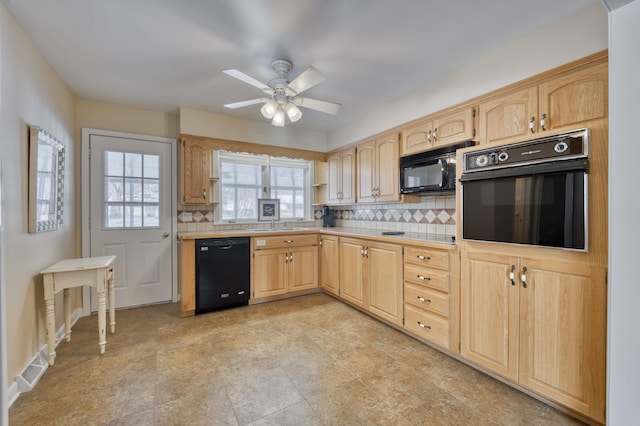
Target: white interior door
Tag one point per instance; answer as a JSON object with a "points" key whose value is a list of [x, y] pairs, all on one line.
{"points": [[130, 216]]}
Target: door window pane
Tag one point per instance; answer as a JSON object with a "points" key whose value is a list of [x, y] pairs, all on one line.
{"points": [[132, 190]]}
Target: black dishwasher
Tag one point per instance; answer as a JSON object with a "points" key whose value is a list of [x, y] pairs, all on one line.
{"points": [[222, 273]]}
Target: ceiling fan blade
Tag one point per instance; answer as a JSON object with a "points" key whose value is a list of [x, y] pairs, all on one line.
{"points": [[247, 79], [307, 79], [246, 103], [318, 105]]}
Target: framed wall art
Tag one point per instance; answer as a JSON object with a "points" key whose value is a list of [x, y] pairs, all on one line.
{"points": [[268, 209]]}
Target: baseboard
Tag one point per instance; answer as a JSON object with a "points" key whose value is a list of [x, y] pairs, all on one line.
{"points": [[30, 375]]}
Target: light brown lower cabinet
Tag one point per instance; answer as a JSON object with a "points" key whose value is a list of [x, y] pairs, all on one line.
{"points": [[284, 264], [329, 261], [539, 323], [371, 277]]}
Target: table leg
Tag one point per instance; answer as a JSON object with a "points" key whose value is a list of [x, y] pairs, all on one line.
{"points": [[112, 304], [51, 329], [67, 315], [102, 320]]}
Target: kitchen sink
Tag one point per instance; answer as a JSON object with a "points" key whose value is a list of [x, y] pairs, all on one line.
{"points": [[277, 229]]}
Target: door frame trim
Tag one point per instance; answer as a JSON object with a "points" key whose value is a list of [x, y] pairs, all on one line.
{"points": [[85, 231]]}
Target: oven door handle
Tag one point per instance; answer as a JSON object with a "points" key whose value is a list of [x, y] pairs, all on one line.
{"points": [[581, 164]]}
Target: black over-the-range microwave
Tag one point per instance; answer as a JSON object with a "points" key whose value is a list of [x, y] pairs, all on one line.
{"points": [[431, 171]]}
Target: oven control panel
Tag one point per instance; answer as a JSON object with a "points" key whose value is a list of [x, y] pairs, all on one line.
{"points": [[565, 146]]}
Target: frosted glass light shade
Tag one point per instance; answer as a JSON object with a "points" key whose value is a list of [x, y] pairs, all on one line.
{"points": [[293, 112], [269, 109], [278, 118]]}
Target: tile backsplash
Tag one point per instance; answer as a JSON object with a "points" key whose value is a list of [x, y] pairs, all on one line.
{"points": [[434, 214]]}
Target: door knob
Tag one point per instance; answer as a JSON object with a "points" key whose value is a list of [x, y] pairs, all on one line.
{"points": [[165, 235]]}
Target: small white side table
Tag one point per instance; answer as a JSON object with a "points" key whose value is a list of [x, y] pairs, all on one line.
{"points": [[92, 271]]}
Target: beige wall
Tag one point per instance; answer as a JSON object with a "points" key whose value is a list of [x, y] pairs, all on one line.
{"points": [[556, 44], [204, 123], [32, 94]]}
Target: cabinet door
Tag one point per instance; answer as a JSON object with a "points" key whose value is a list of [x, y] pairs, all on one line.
{"points": [[562, 334], [303, 268], [387, 165], [508, 116], [348, 176], [489, 312], [385, 281], [352, 271], [453, 128], [333, 178], [366, 166], [329, 262], [196, 174], [417, 138], [574, 98], [269, 274]]}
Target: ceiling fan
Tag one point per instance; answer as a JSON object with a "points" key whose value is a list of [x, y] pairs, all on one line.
{"points": [[284, 95]]}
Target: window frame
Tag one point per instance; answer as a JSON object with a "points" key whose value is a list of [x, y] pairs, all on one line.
{"points": [[266, 162]]}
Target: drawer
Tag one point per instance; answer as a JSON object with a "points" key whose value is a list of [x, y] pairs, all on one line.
{"points": [[427, 257], [427, 298], [281, 240], [426, 276], [428, 326]]}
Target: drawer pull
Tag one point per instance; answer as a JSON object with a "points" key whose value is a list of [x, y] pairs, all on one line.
{"points": [[420, 277], [422, 299], [421, 257], [428, 327], [288, 241]]}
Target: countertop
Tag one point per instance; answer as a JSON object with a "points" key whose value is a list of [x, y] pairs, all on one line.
{"points": [[440, 241]]}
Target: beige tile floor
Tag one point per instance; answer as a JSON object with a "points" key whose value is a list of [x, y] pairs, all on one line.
{"points": [[310, 360]]}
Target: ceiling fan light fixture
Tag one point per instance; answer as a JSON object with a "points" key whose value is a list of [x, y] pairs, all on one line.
{"points": [[293, 112], [278, 118], [269, 109]]}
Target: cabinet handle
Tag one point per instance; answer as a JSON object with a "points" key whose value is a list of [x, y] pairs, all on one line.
{"points": [[421, 257], [428, 327], [320, 243], [362, 252], [532, 124], [524, 277], [512, 275], [420, 277], [288, 241], [291, 257], [286, 258], [543, 121], [204, 194], [429, 136], [422, 299], [435, 134], [366, 252]]}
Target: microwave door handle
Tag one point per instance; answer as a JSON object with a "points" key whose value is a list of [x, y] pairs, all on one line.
{"points": [[443, 172]]}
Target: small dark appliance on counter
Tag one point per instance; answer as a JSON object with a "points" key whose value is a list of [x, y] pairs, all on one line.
{"points": [[328, 217]]}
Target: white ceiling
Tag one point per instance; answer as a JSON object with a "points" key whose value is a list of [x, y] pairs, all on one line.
{"points": [[166, 54]]}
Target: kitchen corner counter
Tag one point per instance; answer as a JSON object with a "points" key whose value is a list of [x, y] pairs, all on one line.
{"points": [[412, 238]]}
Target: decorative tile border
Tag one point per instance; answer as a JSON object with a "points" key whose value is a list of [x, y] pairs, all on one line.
{"points": [[434, 215]]}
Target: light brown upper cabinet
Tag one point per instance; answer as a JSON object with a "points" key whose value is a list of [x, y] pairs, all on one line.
{"points": [[341, 177], [378, 169], [437, 131], [569, 99], [196, 172]]}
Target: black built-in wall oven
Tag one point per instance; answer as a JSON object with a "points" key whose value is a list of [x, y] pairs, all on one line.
{"points": [[533, 192]]}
